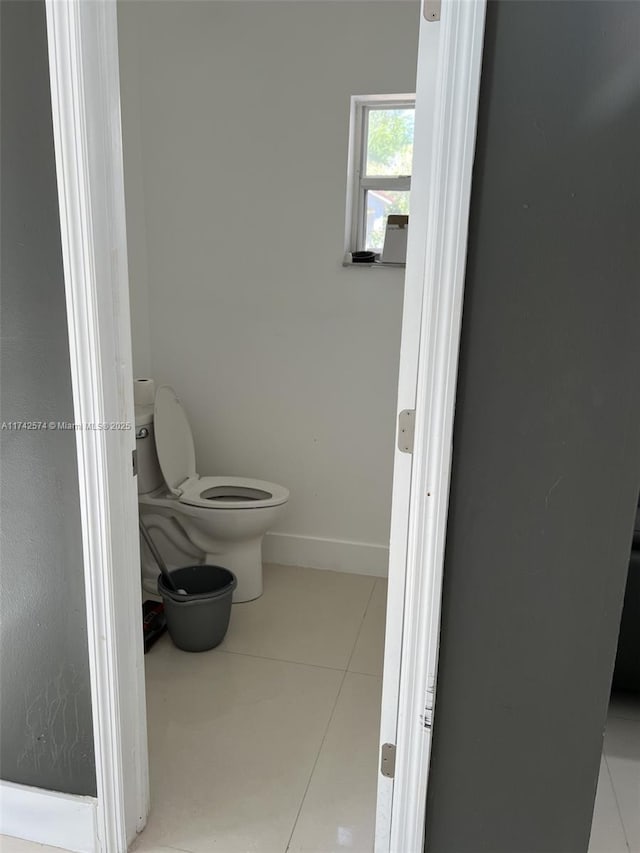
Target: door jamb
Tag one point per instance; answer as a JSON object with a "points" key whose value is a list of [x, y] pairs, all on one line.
{"points": [[85, 98], [444, 149]]}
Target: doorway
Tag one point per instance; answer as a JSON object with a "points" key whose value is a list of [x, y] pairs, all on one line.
{"points": [[84, 97], [235, 186]]}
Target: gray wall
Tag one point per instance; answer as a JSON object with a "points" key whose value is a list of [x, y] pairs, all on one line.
{"points": [[46, 737], [546, 464]]}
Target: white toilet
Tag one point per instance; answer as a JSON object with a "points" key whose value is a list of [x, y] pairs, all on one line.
{"points": [[216, 520]]}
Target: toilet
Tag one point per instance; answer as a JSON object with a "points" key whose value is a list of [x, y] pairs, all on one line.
{"points": [[193, 518]]}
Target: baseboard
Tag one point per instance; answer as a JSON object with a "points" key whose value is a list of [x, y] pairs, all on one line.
{"points": [[48, 817], [358, 558]]}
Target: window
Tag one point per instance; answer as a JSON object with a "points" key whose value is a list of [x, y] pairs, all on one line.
{"points": [[380, 158]]}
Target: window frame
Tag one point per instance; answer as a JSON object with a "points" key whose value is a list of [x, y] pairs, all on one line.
{"points": [[358, 183]]}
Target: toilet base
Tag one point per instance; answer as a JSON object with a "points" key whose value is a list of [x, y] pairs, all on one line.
{"points": [[187, 535], [244, 559]]}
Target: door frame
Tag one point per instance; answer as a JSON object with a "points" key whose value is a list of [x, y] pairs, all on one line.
{"points": [[85, 97], [85, 87], [447, 93]]}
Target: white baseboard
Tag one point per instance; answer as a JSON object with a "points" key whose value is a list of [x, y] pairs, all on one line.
{"points": [[358, 558], [48, 817]]}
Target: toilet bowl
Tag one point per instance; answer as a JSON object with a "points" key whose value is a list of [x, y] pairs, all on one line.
{"points": [[223, 519]]}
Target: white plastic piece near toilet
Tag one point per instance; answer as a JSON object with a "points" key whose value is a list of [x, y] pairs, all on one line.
{"points": [[223, 517]]}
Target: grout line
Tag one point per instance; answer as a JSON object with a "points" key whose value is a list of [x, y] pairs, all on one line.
{"points": [[331, 716], [377, 676], [281, 660], [136, 849], [615, 797], [315, 763], [364, 616]]}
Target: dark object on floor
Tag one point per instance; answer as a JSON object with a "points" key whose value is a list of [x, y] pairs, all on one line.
{"points": [[198, 618], [154, 622]]}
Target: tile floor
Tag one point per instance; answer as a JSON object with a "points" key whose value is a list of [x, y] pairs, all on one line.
{"points": [[616, 816], [269, 743], [17, 845]]}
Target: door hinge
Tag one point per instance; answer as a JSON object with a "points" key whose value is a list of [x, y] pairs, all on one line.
{"points": [[134, 461], [431, 10], [388, 760], [406, 424]]}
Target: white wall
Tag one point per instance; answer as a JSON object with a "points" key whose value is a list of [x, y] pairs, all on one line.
{"points": [[235, 131]]}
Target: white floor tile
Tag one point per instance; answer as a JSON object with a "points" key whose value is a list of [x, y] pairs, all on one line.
{"points": [[338, 812], [369, 652], [17, 845], [305, 615], [622, 751], [232, 741], [607, 833]]}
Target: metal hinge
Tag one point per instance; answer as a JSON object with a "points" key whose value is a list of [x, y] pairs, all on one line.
{"points": [[134, 461], [388, 760], [431, 10], [406, 425]]}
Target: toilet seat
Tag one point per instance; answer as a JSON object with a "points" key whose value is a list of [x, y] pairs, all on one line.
{"points": [[177, 458], [232, 493]]}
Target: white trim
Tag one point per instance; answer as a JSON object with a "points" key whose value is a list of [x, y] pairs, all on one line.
{"points": [[358, 558], [83, 61], [407, 382], [47, 817], [452, 97]]}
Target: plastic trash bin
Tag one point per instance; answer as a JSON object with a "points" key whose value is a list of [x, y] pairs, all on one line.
{"points": [[198, 620]]}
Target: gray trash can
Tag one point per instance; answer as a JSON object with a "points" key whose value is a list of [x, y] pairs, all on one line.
{"points": [[198, 621]]}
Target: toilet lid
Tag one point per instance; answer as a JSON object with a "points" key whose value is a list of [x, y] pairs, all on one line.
{"points": [[174, 441]]}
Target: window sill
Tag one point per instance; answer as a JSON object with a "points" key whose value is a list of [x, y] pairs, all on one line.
{"points": [[347, 262]]}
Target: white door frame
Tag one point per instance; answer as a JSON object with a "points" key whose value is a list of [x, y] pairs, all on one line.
{"points": [[85, 95], [447, 92], [83, 56]]}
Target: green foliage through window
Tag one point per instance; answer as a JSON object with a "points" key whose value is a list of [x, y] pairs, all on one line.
{"points": [[389, 154], [390, 142]]}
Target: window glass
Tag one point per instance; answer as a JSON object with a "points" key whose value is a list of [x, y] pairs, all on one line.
{"points": [[379, 204], [389, 142]]}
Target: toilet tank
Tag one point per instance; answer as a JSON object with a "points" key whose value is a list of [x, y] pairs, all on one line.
{"points": [[149, 474]]}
